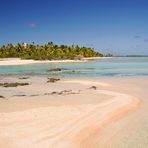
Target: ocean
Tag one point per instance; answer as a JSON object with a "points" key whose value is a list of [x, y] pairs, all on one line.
{"points": [[102, 67]]}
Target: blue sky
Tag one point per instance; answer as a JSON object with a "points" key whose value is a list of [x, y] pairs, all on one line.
{"points": [[109, 26]]}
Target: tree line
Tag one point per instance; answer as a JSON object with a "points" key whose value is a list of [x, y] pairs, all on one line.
{"points": [[49, 51]]}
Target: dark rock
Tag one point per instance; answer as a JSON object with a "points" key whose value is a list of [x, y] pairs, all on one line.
{"points": [[54, 70], [52, 80], [19, 95], [54, 92], [2, 97], [64, 92], [13, 84], [22, 78], [34, 95], [1, 84], [93, 87]]}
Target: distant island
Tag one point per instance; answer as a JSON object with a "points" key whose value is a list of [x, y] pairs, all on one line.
{"points": [[136, 56], [49, 51]]}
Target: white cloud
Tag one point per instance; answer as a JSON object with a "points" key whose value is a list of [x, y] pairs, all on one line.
{"points": [[32, 25]]}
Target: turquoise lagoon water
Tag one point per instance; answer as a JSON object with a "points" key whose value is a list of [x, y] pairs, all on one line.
{"points": [[109, 67]]}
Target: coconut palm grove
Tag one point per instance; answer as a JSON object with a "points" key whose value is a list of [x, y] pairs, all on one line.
{"points": [[49, 51]]}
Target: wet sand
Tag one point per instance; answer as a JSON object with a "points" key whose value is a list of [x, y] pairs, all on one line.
{"points": [[104, 117], [132, 130]]}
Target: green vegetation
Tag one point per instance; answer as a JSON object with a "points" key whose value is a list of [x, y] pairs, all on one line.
{"points": [[48, 51]]}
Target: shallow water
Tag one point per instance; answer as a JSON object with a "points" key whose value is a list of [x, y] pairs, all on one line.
{"points": [[103, 67]]}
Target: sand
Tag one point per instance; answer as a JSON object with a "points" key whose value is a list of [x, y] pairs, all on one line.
{"points": [[132, 130], [87, 118], [17, 61]]}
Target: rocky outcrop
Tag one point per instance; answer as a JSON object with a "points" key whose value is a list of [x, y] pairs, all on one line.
{"points": [[23, 78], [64, 92], [52, 80], [13, 84], [93, 87], [2, 97], [54, 70]]}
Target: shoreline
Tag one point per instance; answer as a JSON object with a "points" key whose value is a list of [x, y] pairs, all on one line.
{"points": [[69, 123], [18, 61]]}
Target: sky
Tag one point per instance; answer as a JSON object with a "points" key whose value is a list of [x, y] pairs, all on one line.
{"points": [[119, 27]]}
